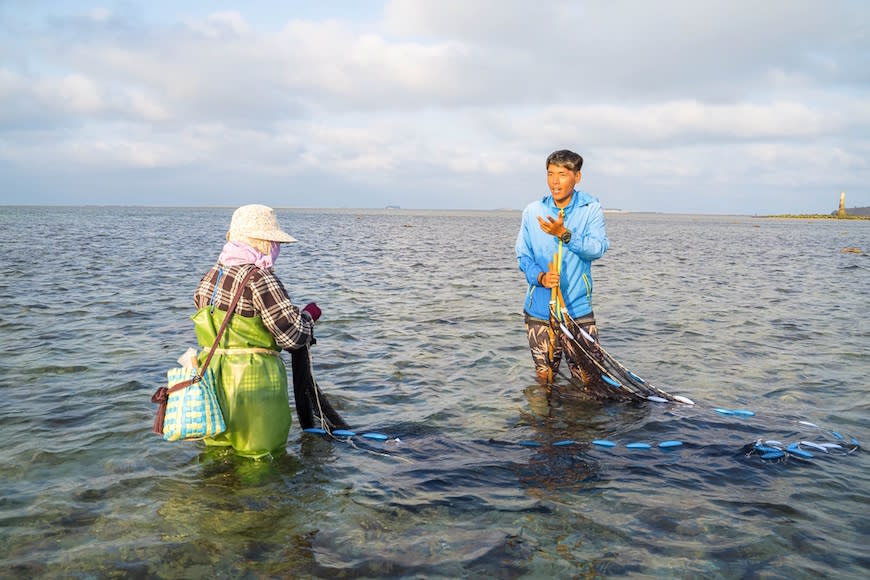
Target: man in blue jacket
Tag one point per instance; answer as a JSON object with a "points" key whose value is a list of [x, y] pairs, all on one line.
{"points": [[560, 236]]}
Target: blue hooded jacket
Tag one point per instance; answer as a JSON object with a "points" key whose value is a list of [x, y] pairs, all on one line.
{"points": [[535, 248]]}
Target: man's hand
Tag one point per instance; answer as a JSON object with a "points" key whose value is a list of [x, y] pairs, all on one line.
{"points": [[553, 226], [550, 278]]}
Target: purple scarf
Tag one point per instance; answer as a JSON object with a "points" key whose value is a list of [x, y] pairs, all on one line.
{"points": [[238, 254]]}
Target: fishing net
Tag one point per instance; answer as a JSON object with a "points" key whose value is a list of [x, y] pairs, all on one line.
{"points": [[312, 406], [603, 377]]}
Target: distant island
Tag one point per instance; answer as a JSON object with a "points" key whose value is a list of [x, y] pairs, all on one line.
{"points": [[392, 207], [855, 213]]}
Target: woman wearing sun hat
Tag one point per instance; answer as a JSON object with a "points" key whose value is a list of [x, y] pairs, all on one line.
{"points": [[252, 379]]}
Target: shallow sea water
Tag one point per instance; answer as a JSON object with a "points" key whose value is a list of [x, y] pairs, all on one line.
{"points": [[422, 339]]}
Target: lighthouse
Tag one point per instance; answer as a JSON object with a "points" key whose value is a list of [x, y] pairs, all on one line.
{"points": [[841, 213]]}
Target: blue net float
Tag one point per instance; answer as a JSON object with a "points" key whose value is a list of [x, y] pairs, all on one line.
{"points": [[819, 445], [375, 436]]}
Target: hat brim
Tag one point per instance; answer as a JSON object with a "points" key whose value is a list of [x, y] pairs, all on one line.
{"points": [[268, 235], [279, 236]]}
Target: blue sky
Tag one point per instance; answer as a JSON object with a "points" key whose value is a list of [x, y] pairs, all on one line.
{"points": [[676, 106]]}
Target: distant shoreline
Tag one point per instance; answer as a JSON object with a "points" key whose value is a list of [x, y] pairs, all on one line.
{"points": [[409, 210], [821, 216]]}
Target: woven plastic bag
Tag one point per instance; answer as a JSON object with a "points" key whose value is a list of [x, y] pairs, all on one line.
{"points": [[192, 412]]}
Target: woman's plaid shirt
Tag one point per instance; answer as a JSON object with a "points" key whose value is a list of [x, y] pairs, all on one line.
{"points": [[265, 296]]}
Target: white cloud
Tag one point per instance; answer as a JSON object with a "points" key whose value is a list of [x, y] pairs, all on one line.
{"points": [[229, 24], [461, 99], [76, 92], [100, 15]]}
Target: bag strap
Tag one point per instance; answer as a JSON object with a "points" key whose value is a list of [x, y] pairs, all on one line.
{"points": [[232, 308], [162, 395]]}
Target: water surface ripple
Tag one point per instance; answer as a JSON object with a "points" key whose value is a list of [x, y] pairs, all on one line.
{"points": [[422, 339]]}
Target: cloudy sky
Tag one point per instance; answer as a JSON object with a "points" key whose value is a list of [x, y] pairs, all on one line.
{"points": [[676, 106]]}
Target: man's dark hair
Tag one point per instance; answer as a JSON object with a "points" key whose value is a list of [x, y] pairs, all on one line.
{"points": [[565, 158]]}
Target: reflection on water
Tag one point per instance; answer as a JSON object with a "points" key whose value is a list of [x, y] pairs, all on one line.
{"points": [[484, 472]]}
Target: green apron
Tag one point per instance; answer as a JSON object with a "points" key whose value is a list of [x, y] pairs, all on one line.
{"points": [[251, 382]]}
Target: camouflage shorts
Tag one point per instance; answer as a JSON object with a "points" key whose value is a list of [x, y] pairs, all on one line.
{"points": [[547, 354]]}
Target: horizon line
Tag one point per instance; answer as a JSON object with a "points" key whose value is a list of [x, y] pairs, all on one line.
{"points": [[405, 209]]}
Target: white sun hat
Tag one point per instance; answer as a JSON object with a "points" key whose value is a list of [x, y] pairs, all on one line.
{"points": [[258, 222]]}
